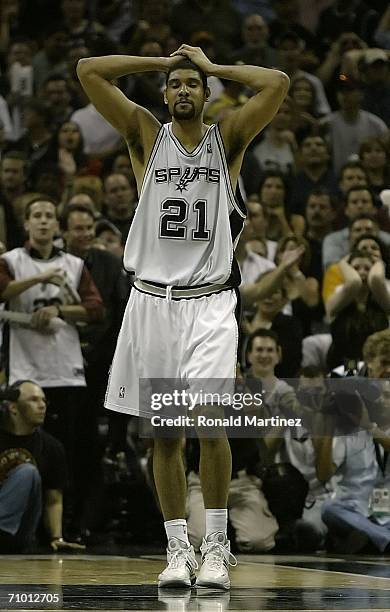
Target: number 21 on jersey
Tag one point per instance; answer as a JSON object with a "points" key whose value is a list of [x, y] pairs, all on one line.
{"points": [[175, 217]]}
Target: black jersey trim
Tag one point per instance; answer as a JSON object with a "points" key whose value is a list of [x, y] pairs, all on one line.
{"points": [[179, 146], [152, 155], [238, 204]]}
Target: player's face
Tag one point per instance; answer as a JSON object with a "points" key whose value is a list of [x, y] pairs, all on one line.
{"points": [[264, 355], [185, 94], [42, 223]]}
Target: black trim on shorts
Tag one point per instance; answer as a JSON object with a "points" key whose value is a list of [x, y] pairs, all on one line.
{"points": [[191, 297]]}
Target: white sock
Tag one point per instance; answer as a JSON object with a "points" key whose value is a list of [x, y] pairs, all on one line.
{"points": [[216, 520], [177, 528]]}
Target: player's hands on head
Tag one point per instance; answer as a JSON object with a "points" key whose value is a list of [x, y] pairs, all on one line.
{"points": [[196, 55]]}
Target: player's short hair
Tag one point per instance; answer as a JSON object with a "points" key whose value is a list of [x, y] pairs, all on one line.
{"points": [[40, 198], [186, 64]]}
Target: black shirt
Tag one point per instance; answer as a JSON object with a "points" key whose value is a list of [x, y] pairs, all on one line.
{"points": [[42, 449]]}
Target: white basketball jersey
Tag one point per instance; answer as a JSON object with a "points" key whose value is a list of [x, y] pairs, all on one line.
{"points": [[187, 221], [51, 360]]}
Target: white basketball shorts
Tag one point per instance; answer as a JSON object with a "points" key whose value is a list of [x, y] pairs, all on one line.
{"points": [[160, 338]]}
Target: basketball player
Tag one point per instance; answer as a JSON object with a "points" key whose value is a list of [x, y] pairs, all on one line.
{"points": [[180, 320]]}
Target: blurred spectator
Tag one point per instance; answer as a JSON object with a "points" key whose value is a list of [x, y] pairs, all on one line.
{"points": [[269, 316], [92, 186], [304, 96], [320, 214], [9, 23], [302, 290], [363, 238], [375, 69], [258, 224], [352, 174], [47, 177], [5, 123], [347, 16], [357, 308], [359, 200], [13, 177], [42, 282], [121, 164], [97, 339], [333, 63], [152, 25], [115, 16], [33, 473], [260, 7], [375, 159], [51, 59], [290, 48], [233, 96], [109, 237], [55, 93], [147, 88], [382, 34], [37, 136], [255, 50], [100, 139], [273, 194], [349, 126], [314, 171], [286, 18], [74, 17], [66, 149], [276, 150], [120, 202], [222, 19]]}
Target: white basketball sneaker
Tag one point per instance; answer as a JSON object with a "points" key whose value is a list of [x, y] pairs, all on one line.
{"points": [[181, 565], [216, 558]]}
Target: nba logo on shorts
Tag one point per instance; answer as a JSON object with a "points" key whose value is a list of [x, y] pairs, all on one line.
{"points": [[122, 392]]}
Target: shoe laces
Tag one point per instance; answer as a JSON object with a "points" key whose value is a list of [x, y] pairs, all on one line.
{"points": [[181, 555], [216, 554]]}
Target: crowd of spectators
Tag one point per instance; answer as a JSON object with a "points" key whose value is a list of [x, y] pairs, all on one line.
{"points": [[314, 258]]}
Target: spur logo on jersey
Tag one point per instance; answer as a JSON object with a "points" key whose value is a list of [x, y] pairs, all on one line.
{"points": [[182, 177]]}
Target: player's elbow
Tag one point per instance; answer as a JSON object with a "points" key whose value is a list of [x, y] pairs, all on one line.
{"points": [[281, 81], [83, 66]]}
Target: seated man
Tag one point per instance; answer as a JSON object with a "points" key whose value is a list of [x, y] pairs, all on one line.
{"points": [[31, 461]]}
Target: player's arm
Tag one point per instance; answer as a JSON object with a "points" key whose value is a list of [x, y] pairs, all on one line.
{"points": [[241, 126], [96, 74]]}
